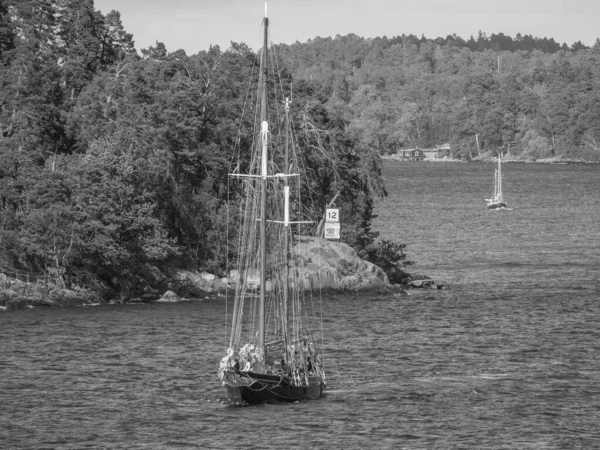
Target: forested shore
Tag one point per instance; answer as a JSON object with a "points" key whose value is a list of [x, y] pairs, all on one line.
{"points": [[115, 160], [527, 97]]}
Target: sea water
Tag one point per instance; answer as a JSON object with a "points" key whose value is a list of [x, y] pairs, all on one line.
{"points": [[508, 357]]}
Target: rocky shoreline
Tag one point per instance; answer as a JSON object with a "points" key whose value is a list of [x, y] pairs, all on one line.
{"points": [[319, 264]]}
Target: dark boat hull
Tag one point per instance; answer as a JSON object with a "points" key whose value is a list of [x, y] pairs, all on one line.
{"points": [[498, 205], [253, 388]]}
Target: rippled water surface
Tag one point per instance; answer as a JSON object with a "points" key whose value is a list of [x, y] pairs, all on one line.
{"points": [[507, 358]]}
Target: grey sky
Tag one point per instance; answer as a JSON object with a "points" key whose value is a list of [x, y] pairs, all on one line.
{"points": [[196, 24]]}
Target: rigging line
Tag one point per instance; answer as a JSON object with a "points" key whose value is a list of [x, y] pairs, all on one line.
{"points": [[312, 311], [246, 255], [274, 72], [321, 308], [243, 114], [227, 262], [302, 168], [236, 317], [276, 65], [312, 306], [300, 163], [238, 310]]}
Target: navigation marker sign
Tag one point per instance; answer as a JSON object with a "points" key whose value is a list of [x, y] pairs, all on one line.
{"points": [[332, 223]]}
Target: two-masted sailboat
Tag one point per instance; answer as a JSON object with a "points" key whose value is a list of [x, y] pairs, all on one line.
{"points": [[273, 353], [497, 199]]}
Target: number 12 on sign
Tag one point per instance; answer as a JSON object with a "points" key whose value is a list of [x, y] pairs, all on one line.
{"points": [[332, 215]]}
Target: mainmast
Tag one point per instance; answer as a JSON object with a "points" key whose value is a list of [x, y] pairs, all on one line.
{"points": [[287, 230], [263, 196], [499, 177], [495, 194]]}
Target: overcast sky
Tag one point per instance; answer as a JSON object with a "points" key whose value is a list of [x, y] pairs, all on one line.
{"points": [[194, 25]]}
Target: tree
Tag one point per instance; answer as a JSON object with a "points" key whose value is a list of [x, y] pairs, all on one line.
{"points": [[116, 43], [576, 46], [6, 31], [88, 211]]}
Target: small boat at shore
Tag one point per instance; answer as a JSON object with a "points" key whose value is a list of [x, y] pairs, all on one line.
{"points": [[497, 200]]}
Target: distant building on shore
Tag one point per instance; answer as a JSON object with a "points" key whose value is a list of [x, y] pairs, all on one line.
{"points": [[412, 154], [422, 154]]}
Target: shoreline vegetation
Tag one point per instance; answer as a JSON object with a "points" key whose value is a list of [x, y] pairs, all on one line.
{"points": [[321, 265], [489, 157], [115, 162]]}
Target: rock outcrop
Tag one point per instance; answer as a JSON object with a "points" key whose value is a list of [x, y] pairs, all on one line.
{"points": [[315, 264], [324, 264], [421, 282], [397, 276], [169, 297]]}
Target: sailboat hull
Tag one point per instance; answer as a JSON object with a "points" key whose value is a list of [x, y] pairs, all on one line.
{"points": [[253, 388], [497, 205]]}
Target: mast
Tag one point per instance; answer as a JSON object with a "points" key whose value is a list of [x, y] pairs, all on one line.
{"points": [[495, 185], [286, 231], [263, 183], [499, 177]]}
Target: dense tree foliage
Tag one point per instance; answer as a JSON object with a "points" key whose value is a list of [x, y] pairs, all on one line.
{"points": [[526, 96], [111, 160]]}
